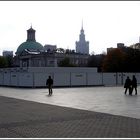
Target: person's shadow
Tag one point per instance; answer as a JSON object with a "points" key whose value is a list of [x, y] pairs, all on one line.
{"points": [[49, 95]]}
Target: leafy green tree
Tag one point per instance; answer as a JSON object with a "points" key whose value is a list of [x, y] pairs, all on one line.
{"points": [[132, 63], [9, 60], [3, 62], [96, 61], [66, 63]]}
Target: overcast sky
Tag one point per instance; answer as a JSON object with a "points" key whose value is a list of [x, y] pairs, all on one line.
{"points": [[59, 23]]}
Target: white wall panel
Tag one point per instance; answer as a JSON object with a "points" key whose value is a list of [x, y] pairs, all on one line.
{"points": [[1, 78], [14, 79], [109, 78], [6, 78], [40, 79], [94, 79], [61, 79], [26, 79], [78, 79], [120, 78], [138, 77]]}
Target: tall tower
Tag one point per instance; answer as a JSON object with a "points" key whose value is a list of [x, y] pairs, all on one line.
{"points": [[82, 46]]}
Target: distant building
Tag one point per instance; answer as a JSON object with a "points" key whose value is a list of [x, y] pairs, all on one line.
{"points": [[7, 53], [50, 48], [135, 46], [46, 59], [119, 45], [33, 54], [82, 46]]}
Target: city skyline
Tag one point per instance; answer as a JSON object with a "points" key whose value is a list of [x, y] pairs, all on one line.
{"points": [[59, 23]]}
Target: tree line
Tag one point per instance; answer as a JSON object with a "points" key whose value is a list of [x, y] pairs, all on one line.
{"points": [[6, 61], [117, 60]]}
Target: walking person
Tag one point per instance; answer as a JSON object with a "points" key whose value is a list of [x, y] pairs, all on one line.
{"points": [[134, 84], [49, 83], [127, 85]]}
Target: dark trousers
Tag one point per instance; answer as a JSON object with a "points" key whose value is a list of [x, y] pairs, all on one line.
{"points": [[50, 89], [135, 89], [128, 88]]}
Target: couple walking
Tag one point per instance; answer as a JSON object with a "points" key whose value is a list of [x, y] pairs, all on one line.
{"points": [[130, 85]]}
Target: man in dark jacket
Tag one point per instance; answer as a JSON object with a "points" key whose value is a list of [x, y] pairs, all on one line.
{"points": [[134, 84], [49, 83], [127, 85]]}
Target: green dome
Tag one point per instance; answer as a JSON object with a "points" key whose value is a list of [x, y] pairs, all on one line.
{"points": [[30, 45]]}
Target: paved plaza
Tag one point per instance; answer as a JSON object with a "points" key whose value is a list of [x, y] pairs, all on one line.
{"points": [[100, 99], [90, 112]]}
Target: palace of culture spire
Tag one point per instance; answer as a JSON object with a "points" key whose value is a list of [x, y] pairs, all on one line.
{"points": [[82, 46]]}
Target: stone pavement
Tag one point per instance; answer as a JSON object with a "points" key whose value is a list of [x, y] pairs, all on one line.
{"points": [[100, 99], [26, 119], [41, 117]]}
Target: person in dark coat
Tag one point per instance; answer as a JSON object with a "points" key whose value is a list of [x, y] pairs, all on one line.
{"points": [[134, 84], [49, 83], [127, 85]]}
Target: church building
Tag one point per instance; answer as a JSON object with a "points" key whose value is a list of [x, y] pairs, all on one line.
{"points": [[30, 44]]}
